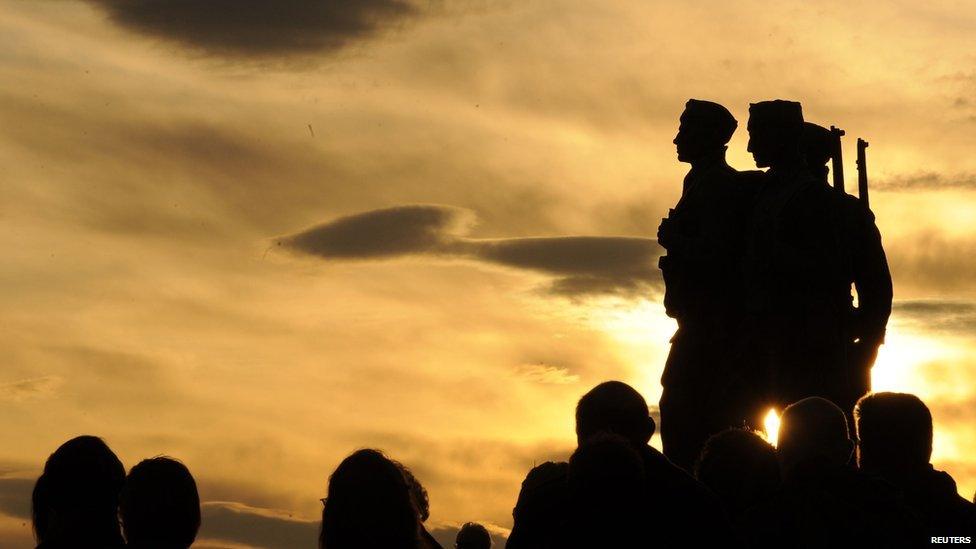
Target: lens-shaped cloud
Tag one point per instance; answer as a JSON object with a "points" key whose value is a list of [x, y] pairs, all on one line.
{"points": [[257, 28], [581, 264]]}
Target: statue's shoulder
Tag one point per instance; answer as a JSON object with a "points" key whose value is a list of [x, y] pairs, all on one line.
{"points": [[749, 182]]}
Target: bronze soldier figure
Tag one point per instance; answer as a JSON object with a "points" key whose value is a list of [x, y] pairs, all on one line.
{"points": [[794, 346], [703, 287], [865, 267]]}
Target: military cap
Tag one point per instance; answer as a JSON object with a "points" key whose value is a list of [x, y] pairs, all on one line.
{"points": [[788, 115], [712, 114], [816, 144]]}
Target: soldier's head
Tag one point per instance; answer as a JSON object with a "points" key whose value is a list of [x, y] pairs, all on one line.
{"points": [[813, 431], [775, 129], [816, 145], [614, 407], [704, 130], [895, 432]]}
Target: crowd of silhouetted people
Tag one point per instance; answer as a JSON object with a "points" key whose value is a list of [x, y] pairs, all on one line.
{"points": [[818, 487]]}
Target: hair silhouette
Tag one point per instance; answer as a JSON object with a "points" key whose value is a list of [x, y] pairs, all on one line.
{"points": [[473, 536], [369, 506], [421, 502], [75, 500], [418, 494], [895, 432], [740, 467], [813, 430], [614, 407], [160, 506]]}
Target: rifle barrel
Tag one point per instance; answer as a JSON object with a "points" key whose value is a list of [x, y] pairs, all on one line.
{"points": [[862, 171], [837, 158]]}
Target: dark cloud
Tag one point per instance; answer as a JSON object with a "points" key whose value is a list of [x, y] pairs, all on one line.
{"points": [[927, 181], [938, 315], [572, 255], [15, 496], [383, 233], [258, 28], [236, 522], [583, 265]]}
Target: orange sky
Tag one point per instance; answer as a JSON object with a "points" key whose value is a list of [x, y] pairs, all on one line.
{"points": [[148, 173]]}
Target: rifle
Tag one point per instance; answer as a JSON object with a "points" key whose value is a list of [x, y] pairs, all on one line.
{"points": [[862, 171], [837, 159]]}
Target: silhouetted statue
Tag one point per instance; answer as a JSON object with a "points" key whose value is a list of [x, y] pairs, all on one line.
{"points": [[418, 495], [676, 503], [473, 536], [795, 342], [864, 265], [895, 433], [369, 506], [703, 235], [76, 499], [160, 506], [741, 468], [825, 502]]}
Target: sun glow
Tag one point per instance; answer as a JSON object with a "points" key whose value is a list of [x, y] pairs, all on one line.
{"points": [[641, 332], [771, 426]]}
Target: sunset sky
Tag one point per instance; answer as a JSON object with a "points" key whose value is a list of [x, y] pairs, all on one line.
{"points": [[506, 165]]}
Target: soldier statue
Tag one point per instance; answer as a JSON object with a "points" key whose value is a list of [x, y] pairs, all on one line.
{"points": [[703, 237], [865, 267], [794, 339]]}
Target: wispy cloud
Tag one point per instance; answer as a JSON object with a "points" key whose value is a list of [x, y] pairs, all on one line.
{"points": [[30, 388], [547, 374], [927, 181], [933, 261]]}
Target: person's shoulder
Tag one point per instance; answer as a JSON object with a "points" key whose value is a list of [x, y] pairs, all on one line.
{"points": [[544, 482], [546, 473], [660, 469], [750, 176]]}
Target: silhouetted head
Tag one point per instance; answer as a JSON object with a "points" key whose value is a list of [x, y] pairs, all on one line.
{"points": [[894, 432], [473, 536], [369, 506], [816, 145], [76, 498], [614, 407], [607, 491], [418, 494], [705, 128], [740, 467], [775, 129], [160, 506], [813, 430]]}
